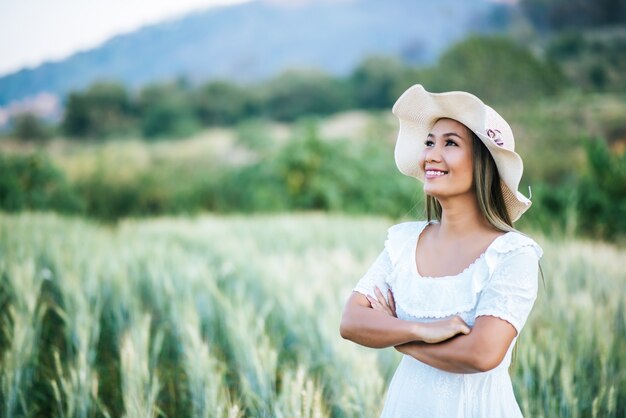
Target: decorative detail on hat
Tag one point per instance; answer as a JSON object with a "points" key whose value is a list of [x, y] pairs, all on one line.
{"points": [[495, 136]]}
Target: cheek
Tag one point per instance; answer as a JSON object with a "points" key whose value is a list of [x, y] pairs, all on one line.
{"points": [[464, 166], [469, 171]]}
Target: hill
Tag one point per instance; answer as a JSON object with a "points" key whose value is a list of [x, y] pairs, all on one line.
{"points": [[256, 40]]}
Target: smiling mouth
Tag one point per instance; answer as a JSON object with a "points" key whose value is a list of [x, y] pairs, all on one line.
{"points": [[435, 173]]}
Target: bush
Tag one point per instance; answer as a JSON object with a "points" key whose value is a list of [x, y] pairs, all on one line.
{"points": [[593, 203], [105, 109], [602, 192], [554, 210], [314, 174], [496, 70], [32, 182], [161, 190], [592, 60], [296, 93], [379, 81], [30, 127], [166, 111], [223, 103]]}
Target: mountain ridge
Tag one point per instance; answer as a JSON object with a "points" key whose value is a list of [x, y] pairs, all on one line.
{"points": [[253, 41]]}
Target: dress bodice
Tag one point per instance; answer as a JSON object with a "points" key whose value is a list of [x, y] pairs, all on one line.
{"points": [[501, 282]]}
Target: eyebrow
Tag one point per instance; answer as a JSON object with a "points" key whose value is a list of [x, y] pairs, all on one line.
{"points": [[430, 135]]}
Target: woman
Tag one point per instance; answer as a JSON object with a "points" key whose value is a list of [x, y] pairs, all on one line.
{"points": [[452, 293]]}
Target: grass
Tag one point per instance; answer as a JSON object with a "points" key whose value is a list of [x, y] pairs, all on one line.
{"points": [[238, 316]]}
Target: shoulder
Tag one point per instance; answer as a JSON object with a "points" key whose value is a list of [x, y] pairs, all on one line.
{"points": [[515, 242], [400, 235], [512, 249], [406, 228]]}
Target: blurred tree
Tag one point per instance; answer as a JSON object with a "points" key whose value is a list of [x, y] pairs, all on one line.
{"points": [[296, 93], [29, 126], [224, 103], [593, 60], [378, 81], [569, 44], [166, 111], [33, 182], [103, 110], [495, 69], [574, 14], [602, 191]]}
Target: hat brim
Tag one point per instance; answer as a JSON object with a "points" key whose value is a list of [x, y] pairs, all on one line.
{"points": [[418, 110]]}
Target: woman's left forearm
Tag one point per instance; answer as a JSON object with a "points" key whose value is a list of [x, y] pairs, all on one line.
{"points": [[454, 355], [481, 350]]}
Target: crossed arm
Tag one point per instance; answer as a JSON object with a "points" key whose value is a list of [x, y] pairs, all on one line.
{"points": [[448, 344]]}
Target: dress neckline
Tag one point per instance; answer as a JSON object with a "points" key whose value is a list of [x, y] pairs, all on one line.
{"points": [[413, 257]]}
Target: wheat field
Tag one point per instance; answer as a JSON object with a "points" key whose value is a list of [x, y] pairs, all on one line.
{"points": [[236, 316]]}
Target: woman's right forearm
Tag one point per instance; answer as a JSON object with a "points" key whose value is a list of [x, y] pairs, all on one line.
{"points": [[366, 326]]}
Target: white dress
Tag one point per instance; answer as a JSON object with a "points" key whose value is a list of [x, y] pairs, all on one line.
{"points": [[502, 282]]}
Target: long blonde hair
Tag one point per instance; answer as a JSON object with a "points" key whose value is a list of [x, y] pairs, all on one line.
{"points": [[488, 188]]}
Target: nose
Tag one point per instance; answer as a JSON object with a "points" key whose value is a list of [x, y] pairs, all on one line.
{"points": [[432, 154]]}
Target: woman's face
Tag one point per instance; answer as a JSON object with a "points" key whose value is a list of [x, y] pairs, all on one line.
{"points": [[447, 160]]}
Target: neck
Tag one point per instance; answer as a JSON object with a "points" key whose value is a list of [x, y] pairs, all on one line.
{"points": [[461, 216]]}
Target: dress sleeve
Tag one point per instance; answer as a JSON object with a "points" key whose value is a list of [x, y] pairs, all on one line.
{"points": [[376, 276], [512, 289]]}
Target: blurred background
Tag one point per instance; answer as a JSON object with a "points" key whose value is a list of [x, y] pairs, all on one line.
{"points": [[265, 106], [189, 191]]}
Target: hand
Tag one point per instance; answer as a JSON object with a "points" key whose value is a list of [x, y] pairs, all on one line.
{"points": [[382, 305], [437, 331]]}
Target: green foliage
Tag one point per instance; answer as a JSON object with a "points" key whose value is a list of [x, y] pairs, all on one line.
{"points": [[602, 192], [105, 109], [30, 127], [378, 82], [593, 204], [592, 60], [166, 111], [574, 14], [294, 94], [32, 182], [155, 192], [496, 70], [554, 210], [310, 173], [224, 103]]}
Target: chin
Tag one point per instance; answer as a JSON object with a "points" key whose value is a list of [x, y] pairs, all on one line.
{"points": [[432, 191], [442, 193]]}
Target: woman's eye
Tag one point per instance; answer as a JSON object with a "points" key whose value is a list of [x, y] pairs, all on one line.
{"points": [[450, 142], [429, 143]]}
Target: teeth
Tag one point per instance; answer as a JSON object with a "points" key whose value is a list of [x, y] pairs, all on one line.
{"points": [[435, 173]]}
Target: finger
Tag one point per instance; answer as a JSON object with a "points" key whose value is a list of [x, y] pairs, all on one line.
{"points": [[382, 301], [392, 301], [375, 304], [379, 295], [385, 304], [462, 325]]}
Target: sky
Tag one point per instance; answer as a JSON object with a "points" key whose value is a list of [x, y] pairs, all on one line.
{"points": [[34, 31]]}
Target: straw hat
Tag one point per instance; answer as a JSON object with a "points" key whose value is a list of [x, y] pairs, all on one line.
{"points": [[418, 110]]}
